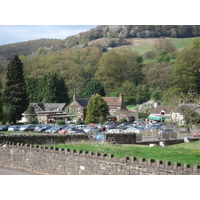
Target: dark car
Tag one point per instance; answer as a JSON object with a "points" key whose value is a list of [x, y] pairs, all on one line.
{"points": [[166, 134], [4, 128]]}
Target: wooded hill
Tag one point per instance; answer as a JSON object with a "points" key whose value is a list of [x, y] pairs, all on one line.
{"points": [[142, 62]]}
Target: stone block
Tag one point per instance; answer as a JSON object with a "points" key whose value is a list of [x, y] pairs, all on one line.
{"points": [[187, 140], [162, 144], [152, 145]]}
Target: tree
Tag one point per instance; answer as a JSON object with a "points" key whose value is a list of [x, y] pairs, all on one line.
{"points": [[94, 87], [30, 115], [195, 44], [110, 70], [185, 72], [96, 110], [14, 95], [163, 49], [54, 89]]}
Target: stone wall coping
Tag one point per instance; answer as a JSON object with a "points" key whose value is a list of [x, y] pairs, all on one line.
{"points": [[132, 160]]}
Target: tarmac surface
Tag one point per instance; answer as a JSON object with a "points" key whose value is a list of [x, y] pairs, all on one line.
{"points": [[6, 171]]}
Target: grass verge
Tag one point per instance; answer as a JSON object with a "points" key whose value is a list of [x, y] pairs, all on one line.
{"points": [[182, 153]]}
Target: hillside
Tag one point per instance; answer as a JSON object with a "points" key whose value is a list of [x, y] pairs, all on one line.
{"points": [[32, 47], [140, 37], [122, 62]]}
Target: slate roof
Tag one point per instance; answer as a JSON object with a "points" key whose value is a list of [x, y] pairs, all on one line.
{"points": [[192, 107], [48, 106], [83, 102], [167, 108]]}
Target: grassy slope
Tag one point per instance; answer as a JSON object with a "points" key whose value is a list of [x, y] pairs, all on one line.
{"points": [[143, 45], [183, 153]]}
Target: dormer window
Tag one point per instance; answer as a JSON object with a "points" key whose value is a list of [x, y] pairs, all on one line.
{"points": [[162, 112]]}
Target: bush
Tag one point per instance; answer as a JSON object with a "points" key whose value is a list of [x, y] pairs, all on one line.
{"points": [[60, 122], [123, 120]]}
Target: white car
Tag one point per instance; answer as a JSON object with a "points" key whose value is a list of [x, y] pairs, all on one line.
{"points": [[114, 131]]}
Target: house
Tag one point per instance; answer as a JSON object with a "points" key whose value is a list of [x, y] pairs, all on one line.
{"points": [[161, 113], [47, 111], [117, 108], [166, 113]]}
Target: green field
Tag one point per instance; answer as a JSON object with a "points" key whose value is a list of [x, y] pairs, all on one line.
{"points": [[147, 45], [182, 153]]}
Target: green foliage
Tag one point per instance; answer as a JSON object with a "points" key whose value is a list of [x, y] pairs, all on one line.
{"points": [[94, 87], [123, 120], [49, 89], [60, 122], [143, 115], [14, 95], [96, 110], [185, 71], [195, 44], [31, 115]]}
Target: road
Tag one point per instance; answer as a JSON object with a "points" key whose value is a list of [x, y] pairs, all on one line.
{"points": [[5, 171]]}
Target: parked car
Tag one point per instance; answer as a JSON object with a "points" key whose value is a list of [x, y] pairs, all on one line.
{"points": [[166, 134], [42, 128], [54, 129], [4, 127], [14, 128], [195, 132], [2, 134], [66, 129], [114, 130], [75, 130], [28, 127], [91, 130]]}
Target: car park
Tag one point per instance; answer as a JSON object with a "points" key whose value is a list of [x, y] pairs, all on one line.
{"points": [[166, 134], [195, 133]]}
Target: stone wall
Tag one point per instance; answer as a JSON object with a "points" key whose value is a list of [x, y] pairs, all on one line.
{"points": [[42, 139], [54, 161]]}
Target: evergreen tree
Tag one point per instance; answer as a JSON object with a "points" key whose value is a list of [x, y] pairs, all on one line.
{"points": [[94, 87], [54, 89], [31, 116], [96, 110], [14, 95]]}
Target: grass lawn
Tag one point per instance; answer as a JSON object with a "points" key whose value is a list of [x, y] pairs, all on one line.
{"points": [[182, 153]]}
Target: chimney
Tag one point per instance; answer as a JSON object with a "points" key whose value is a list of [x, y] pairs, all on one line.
{"points": [[120, 96], [74, 97]]}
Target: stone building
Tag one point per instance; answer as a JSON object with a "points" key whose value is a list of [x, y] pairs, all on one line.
{"points": [[117, 108]]}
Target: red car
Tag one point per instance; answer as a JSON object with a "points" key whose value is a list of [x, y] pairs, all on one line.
{"points": [[196, 132], [64, 130]]}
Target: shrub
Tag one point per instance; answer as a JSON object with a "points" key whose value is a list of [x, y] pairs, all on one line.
{"points": [[60, 122]]}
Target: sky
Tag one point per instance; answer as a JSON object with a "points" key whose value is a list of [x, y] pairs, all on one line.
{"points": [[19, 33]]}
